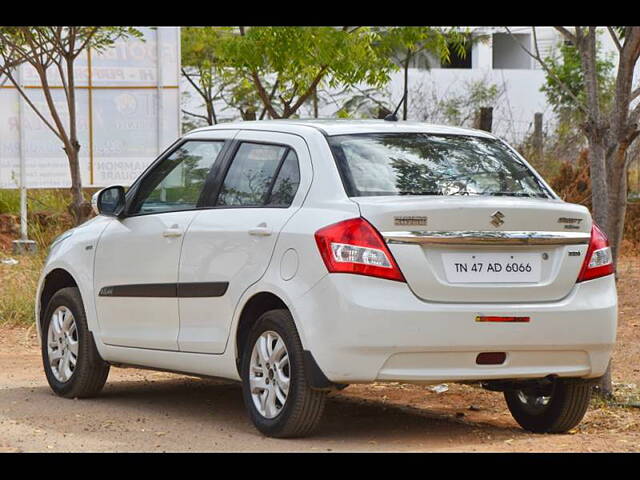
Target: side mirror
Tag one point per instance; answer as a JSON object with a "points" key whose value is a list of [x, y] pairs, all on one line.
{"points": [[109, 201]]}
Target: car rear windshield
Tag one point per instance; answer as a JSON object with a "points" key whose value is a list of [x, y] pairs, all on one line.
{"points": [[426, 164]]}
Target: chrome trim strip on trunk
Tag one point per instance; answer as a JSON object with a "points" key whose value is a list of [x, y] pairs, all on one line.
{"points": [[487, 238]]}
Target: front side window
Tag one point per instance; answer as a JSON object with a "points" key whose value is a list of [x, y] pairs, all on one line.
{"points": [[177, 181], [429, 164], [260, 175]]}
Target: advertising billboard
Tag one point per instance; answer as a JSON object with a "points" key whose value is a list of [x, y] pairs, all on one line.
{"points": [[128, 111]]}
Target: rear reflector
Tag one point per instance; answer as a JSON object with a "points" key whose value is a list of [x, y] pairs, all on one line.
{"points": [[483, 318], [491, 358]]}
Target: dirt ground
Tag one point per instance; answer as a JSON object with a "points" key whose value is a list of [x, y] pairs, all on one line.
{"points": [[151, 411]]}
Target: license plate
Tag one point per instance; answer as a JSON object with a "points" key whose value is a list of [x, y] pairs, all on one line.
{"points": [[492, 267]]}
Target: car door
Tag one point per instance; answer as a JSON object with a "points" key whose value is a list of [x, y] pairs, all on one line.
{"points": [[229, 247], [136, 264]]}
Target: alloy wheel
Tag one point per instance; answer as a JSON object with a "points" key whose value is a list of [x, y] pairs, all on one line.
{"points": [[62, 344], [269, 374]]}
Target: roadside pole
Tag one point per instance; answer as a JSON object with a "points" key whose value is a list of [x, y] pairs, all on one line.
{"points": [[23, 245], [159, 106]]}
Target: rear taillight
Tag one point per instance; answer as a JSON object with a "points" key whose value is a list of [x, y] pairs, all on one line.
{"points": [[355, 246], [598, 262]]}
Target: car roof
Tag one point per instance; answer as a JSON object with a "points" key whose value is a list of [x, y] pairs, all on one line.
{"points": [[332, 127]]}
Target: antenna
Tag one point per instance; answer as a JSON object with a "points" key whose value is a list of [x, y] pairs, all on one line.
{"points": [[392, 117]]}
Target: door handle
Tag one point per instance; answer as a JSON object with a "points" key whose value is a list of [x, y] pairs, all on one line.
{"points": [[173, 231], [260, 231]]}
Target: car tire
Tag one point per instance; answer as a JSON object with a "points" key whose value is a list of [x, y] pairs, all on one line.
{"points": [[263, 383], [65, 333], [556, 410]]}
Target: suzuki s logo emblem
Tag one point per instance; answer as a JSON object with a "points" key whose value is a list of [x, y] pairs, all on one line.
{"points": [[497, 218]]}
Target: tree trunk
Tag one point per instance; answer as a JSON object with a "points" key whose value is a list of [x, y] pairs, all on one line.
{"points": [[405, 96], [599, 187], [604, 387], [596, 130], [609, 136], [383, 113], [485, 119], [78, 207], [617, 199], [600, 201], [211, 112], [248, 114], [538, 143], [315, 103]]}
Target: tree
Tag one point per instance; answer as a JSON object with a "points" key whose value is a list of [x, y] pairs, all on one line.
{"points": [[610, 132], [355, 102], [240, 93], [200, 67], [57, 48], [285, 66], [403, 44], [457, 107], [567, 82]]}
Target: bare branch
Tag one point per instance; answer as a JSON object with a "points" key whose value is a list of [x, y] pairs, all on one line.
{"points": [[634, 115], [63, 79], [568, 35], [262, 93], [536, 56], [194, 114], [46, 90], [86, 41], [366, 95], [26, 98], [614, 36], [627, 32], [273, 92], [311, 88], [632, 45], [187, 75]]}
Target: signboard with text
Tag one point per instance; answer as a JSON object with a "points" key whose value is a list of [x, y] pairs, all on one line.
{"points": [[128, 111]]}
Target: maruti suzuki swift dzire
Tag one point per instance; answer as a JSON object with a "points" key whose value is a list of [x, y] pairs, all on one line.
{"points": [[302, 256]]}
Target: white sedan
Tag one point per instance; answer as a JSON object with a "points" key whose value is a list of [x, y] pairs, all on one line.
{"points": [[302, 256]]}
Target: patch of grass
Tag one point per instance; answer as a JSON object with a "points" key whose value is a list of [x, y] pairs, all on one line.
{"points": [[48, 200], [48, 218], [10, 201], [18, 285], [44, 232]]}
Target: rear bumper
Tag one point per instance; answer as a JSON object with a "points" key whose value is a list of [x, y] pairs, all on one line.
{"points": [[363, 329]]}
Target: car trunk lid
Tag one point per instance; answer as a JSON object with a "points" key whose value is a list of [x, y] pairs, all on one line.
{"points": [[483, 248]]}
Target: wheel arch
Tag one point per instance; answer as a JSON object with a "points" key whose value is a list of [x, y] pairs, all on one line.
{"points": [[55, 280], [258, 304]]}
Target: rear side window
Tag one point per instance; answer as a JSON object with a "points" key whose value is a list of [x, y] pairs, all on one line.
{"points": [[260, 175], [426, 164], [287, 181]]}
